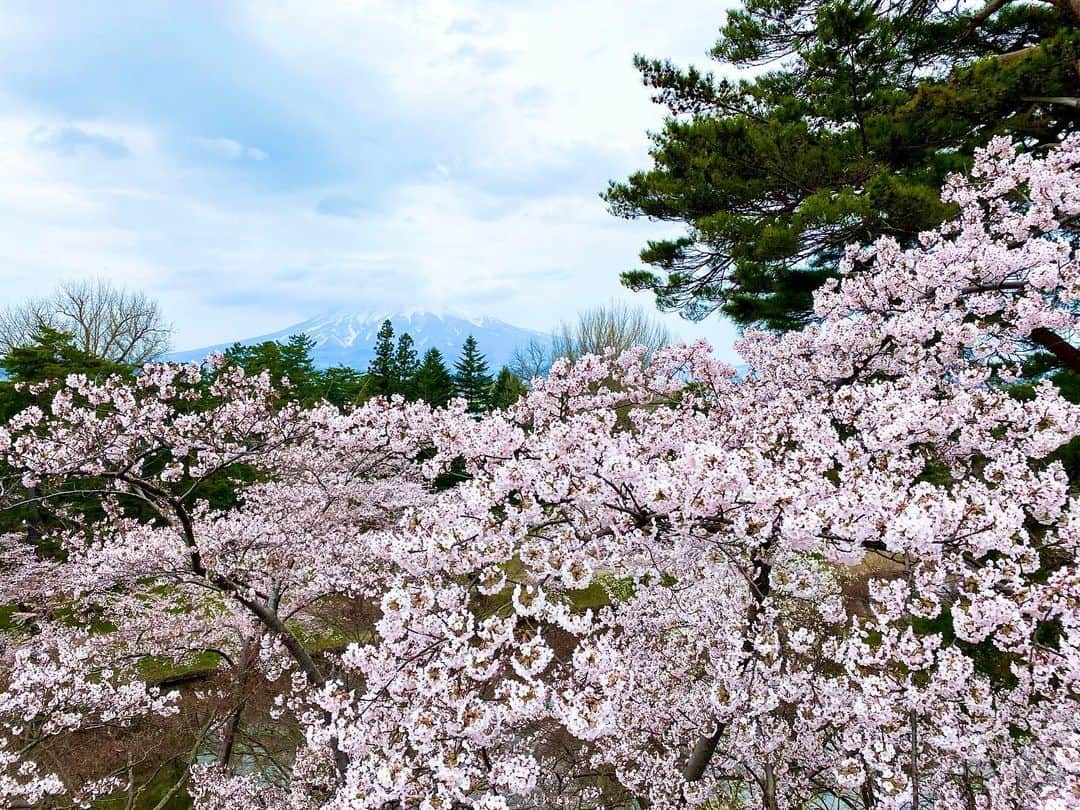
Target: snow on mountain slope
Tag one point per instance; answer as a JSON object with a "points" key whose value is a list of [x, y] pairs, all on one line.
{"points": [[348, 338]]}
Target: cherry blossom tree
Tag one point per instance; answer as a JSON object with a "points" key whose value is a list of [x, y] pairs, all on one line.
{"points": [[849, 578], [170, 575]]}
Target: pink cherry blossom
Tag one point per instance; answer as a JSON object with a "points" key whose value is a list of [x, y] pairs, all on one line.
{"points": [[850, 573]]}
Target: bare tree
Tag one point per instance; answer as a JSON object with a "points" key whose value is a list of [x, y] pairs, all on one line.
{"points": [[531, 360], [615, 326], [103, 320]]}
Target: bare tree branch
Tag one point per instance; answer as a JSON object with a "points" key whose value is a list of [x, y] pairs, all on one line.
{"points": [[103, 320], [614, 326]]}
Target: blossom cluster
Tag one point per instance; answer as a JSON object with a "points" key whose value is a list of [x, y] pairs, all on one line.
{"points": [[850, 572]]}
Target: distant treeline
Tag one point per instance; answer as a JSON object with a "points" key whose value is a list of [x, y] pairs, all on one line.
{"points": [[397, 369]]}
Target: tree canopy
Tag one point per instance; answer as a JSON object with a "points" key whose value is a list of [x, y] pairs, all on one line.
{"points": [[433, 383], [506, 390], [847, 120], [406, 365], [472, 382], [382, 371], [850, 573], [47, 356]]}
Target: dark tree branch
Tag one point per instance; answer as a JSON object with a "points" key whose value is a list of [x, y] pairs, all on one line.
{"points": [[705, 747], [1064, 351], [1066, 101], [982, 16]]}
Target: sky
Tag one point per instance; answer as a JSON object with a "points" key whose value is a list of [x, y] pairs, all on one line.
{"points": [[251, 165]]}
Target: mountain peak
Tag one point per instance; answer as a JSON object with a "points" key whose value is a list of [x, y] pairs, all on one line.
{"points": [[347, 337]]}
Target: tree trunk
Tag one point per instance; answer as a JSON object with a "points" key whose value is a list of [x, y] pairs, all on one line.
{"points": [[914, 761], [1066, 101], [270, 619], [705, 747], [232, 722], [1071, 8], [33, 518], [267, 614], [866, 792], [768, 790], [700, 756]]}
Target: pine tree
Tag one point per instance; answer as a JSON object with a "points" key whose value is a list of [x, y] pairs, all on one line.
{"points": [[433, 382], [33, 373], [506, 389], [405, 367], [298, 367], [48, 357], [864, 111], [381, 370], [290, 361], [471, 379], [341, 385]]}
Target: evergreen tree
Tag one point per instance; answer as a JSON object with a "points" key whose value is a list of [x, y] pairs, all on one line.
{"points": [[342, 385], [290, 361], [48, 357], [433, 382], [471, 379], [506, 389], [381, 371], [405, 367], [866, 108], [298, 366]]}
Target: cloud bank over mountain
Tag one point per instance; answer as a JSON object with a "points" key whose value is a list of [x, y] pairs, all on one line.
{"points": [[249, 163]]}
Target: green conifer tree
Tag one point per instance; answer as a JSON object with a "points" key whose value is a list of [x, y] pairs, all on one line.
{"points": [[381, 370], [298, 367], [864, 110], [290, 361], [341, 385], [506, 389], [433, 382], [49, 356], [471, 379], [405, 367]]}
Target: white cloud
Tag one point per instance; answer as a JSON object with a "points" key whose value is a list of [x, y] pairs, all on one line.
{"points": [[70, 139], [516, 114], [482, 65], [229, 149]]}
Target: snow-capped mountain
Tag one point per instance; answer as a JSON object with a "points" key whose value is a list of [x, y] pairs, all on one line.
{"points": [[349, 338]]}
